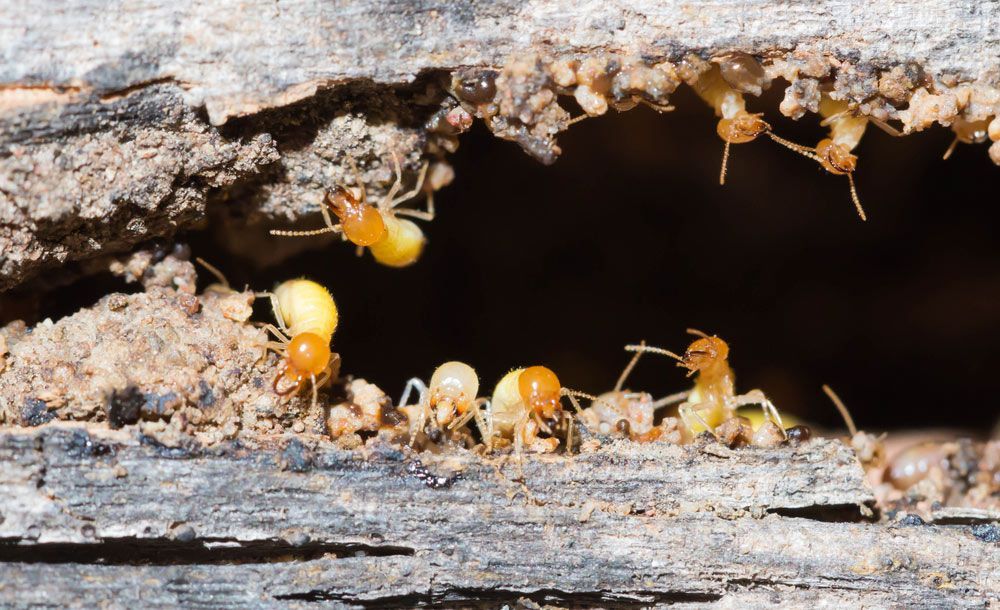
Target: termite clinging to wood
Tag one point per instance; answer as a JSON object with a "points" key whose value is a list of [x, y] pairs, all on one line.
{"points": [[393, 241]]}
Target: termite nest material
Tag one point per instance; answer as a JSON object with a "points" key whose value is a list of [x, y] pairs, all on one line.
{"points": [[520, 101]]}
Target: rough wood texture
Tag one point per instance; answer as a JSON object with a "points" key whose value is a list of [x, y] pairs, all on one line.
{"points": [[116, 120], [239, 57], [105, 518]]}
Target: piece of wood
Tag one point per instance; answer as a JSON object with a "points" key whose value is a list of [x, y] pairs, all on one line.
{"points": [[237, 58], [94, 517], [126, 122]]}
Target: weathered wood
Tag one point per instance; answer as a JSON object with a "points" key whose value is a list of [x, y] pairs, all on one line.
{"points": [[287, 522], [110, 115], [239, 57]]}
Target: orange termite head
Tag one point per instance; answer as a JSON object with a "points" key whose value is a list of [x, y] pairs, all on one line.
{"points": [[704, 353], [835, 158], [742, 128], [308, 355], [362, 223], [540, 389]]}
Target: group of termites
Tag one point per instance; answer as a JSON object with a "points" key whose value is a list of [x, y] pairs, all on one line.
{"points": [[399, 242], [525, 410]]}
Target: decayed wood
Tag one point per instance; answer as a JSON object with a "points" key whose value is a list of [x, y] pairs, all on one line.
{"points": [[110, 115], [100, 517]]}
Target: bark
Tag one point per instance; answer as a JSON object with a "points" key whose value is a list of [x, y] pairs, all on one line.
{"points": [[97, 517], [126, 122]]}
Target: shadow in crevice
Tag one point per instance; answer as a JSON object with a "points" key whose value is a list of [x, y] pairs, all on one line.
{"points": [[493, 598], [140, 551]]}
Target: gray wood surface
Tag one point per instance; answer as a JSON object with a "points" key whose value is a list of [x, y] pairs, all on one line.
{"points": [[100, 518], [125, 121]]}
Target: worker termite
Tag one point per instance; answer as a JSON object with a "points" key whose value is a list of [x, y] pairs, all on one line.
{"points": [[713, 400], [526, 404], [393, 241], [444, 406], [916, 463], [307, 318], [628, 414], [736, 125]]}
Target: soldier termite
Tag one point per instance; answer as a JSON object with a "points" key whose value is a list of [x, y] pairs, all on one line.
{"points": [[713, 400], [445, 406], [393, 241], [307, 318], [526, 404]]}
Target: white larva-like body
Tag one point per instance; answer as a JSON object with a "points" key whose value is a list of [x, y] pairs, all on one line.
{"points": [[306, 307], [507, 407], [402, 244]]}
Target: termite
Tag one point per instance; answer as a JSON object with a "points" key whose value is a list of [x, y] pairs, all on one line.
{"points": [[444, 406], [393, 241], [625, 413], [736, 125], [714, 400], [526, 403], [307, 317], [916, 463]]}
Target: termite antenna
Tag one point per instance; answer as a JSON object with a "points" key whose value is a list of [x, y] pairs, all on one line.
{"points": [[854, 197], [805, 151], [697, 333], [951, 149], [889, 129], [661, 108], [842, 408], [309, 233], [653, 350], [628, 367], [213, 270], [725, 161], [574, 394], [577, 119]]}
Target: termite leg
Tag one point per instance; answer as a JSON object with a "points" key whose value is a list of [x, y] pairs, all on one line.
{"points": [[671, 399], [282, 337], [276, 309], [413, 384], [391, 200], [688, 412], [757, 397], [357, 178]]}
